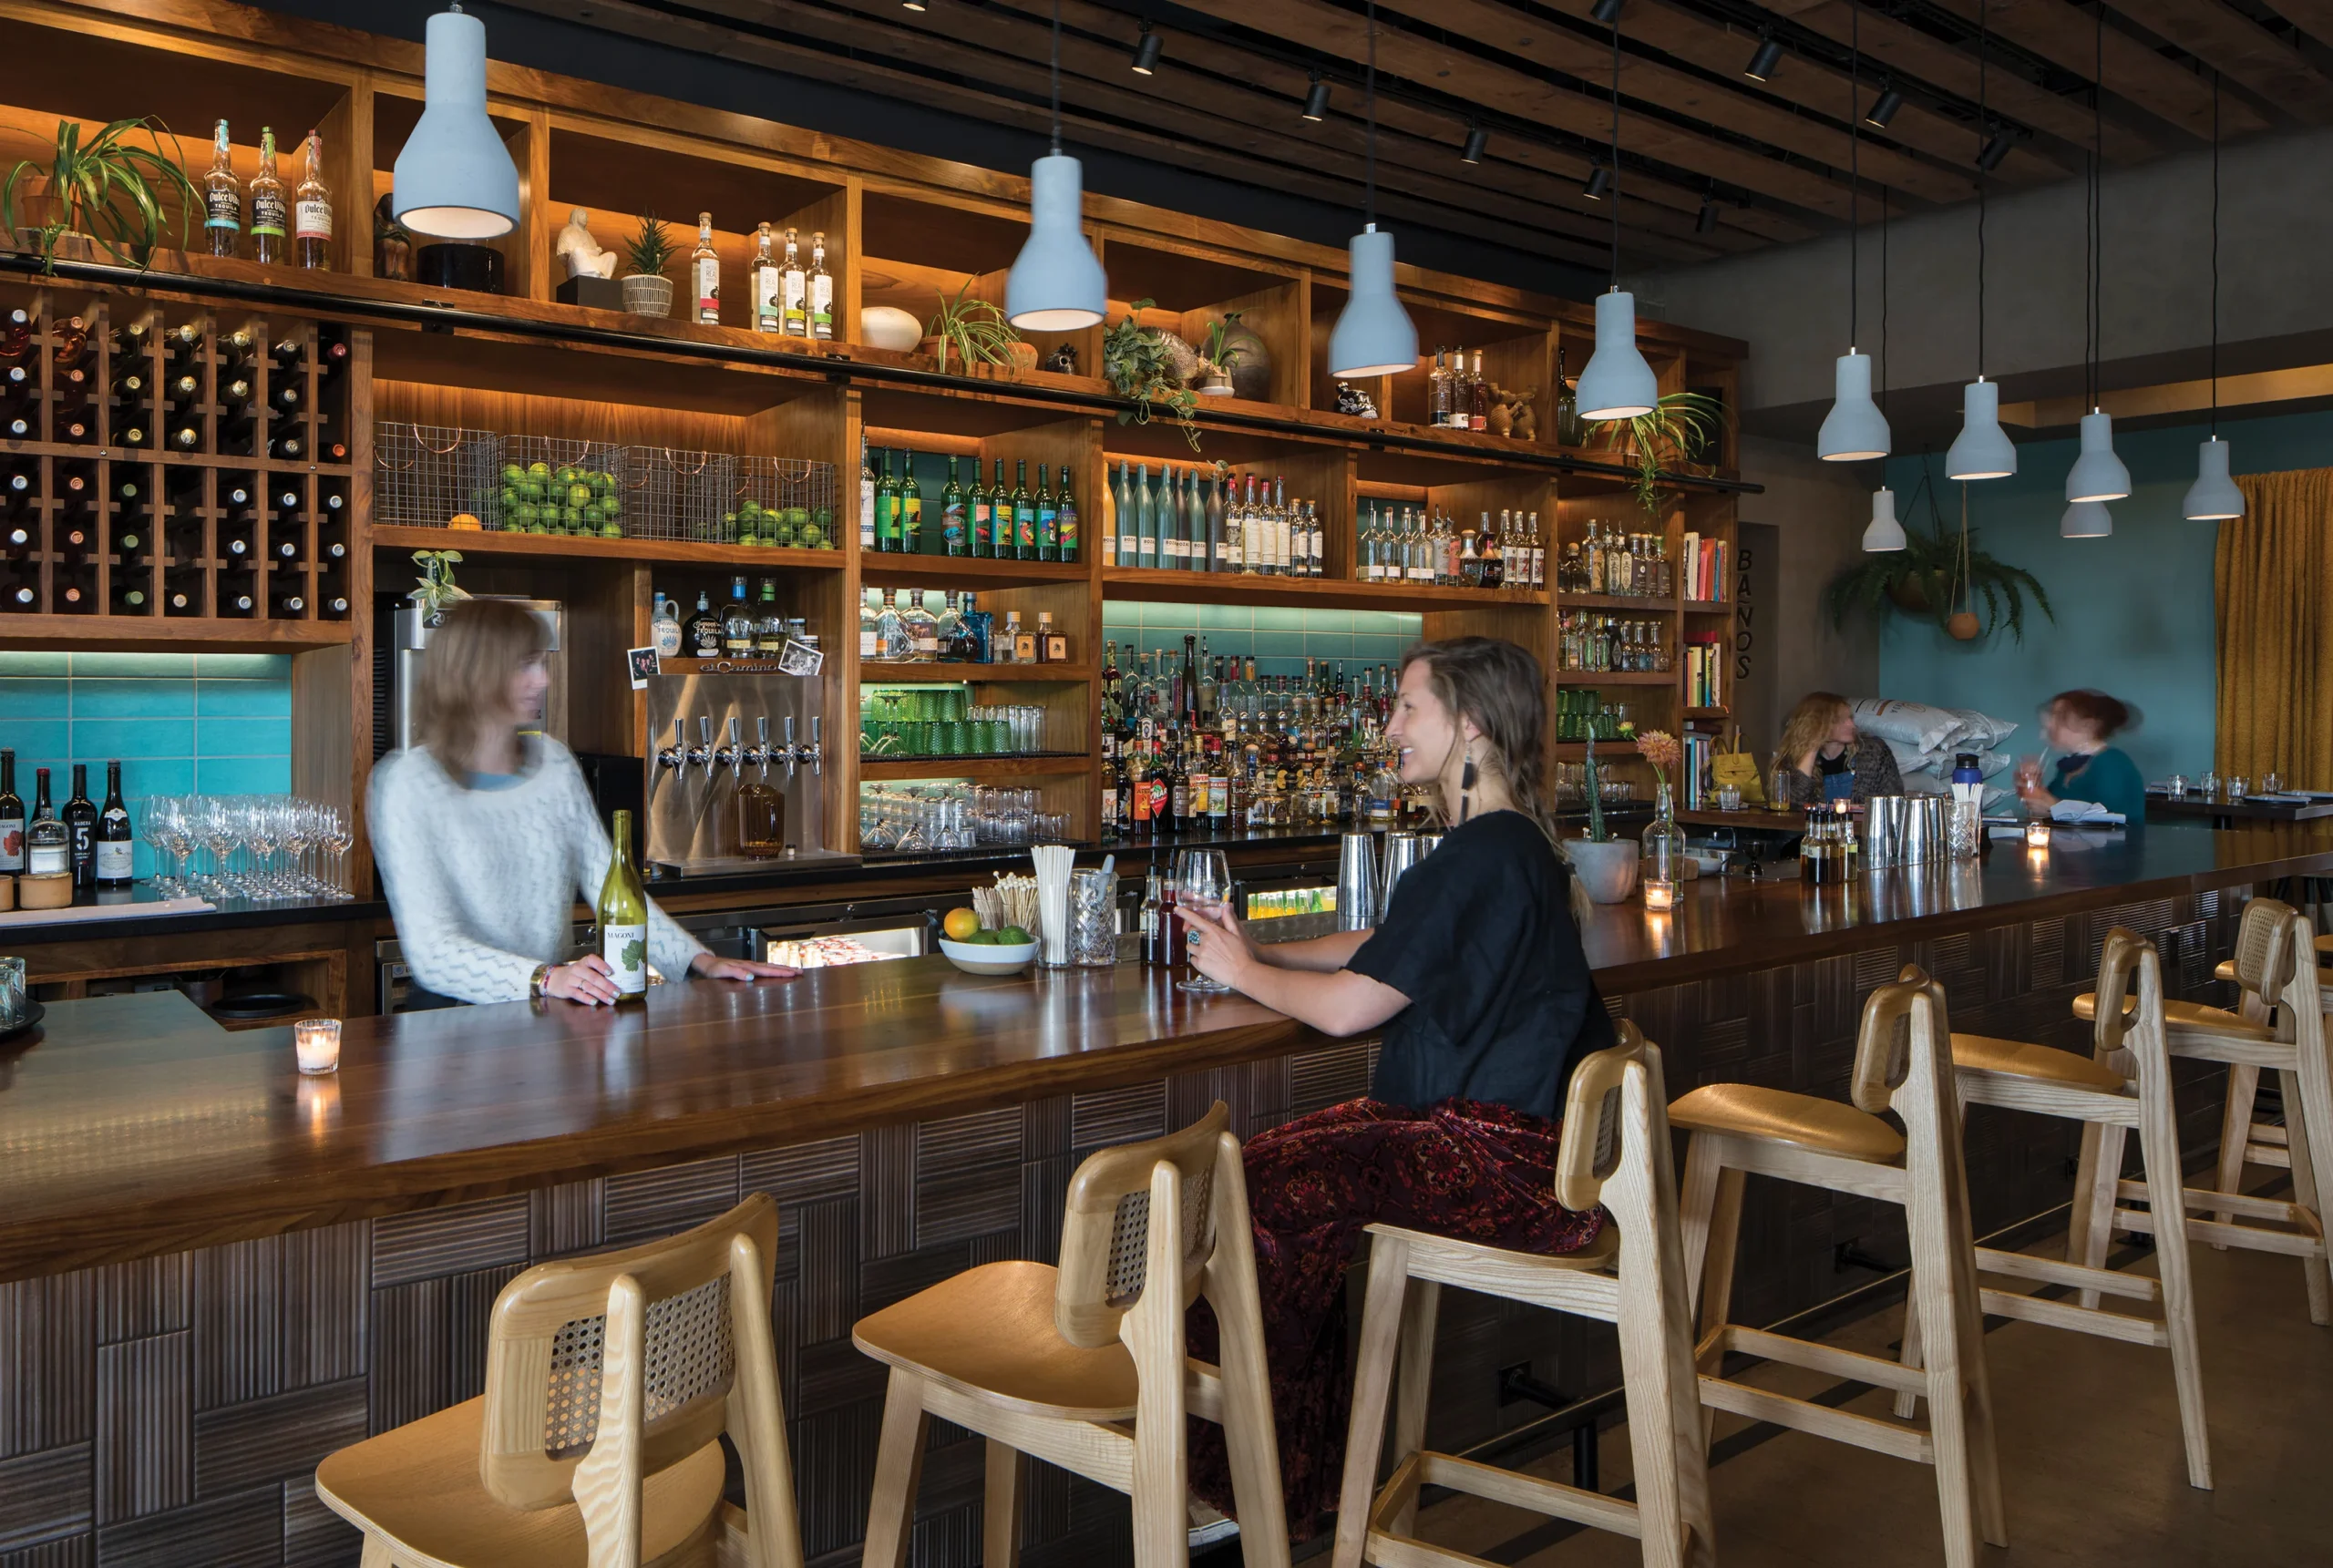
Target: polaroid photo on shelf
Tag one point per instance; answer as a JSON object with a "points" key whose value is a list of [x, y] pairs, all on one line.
{"points": [[642, 663], [799, 659]]}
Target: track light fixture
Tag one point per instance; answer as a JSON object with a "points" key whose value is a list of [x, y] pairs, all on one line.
{"points": [[1705, 220], [1477, 139], [1883, 108], [1600, 180], [914, 6], [1146, 51], [1996, 147], [1763, 63], [1316, 99], [1604, 13]]}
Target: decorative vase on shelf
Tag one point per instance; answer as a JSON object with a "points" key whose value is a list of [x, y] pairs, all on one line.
{"points": [[646, 295], [1607, 870], [1664, 855]]}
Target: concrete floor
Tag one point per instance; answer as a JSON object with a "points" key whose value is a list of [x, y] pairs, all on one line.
{"points": [[2092, 1471]]}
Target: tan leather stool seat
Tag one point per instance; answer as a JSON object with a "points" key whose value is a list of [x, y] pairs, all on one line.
{"points": [[2018, 1059], [2325, 944], [990, 1330], [1829, 1125], [2193, 1017], [418, 1485]]}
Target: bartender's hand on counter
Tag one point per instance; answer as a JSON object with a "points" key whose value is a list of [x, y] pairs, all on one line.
{"points": [[588, 980], [714, 969]]}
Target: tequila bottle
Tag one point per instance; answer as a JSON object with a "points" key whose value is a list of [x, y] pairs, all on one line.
{"points": [[892, 645], [922, 629], [268, 213], [768, 286], [795, 291], [222, 198], [820, 284], [705, 273], [312, 211]]}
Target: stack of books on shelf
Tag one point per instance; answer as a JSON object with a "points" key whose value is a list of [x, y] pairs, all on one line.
{"points": [[1705, 563], [1704, 662]]}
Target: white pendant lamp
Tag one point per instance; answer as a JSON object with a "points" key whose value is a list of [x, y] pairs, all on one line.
{"points": [[454, 176], [1056, 285], [1373, 334], [2213, 497], [2085, 520], [2098, 475], [1616, 383], [1884, 532], [1855, 429], [1982, 450]]}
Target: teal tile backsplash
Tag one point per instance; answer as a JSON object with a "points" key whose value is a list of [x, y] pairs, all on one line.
{"points": [[1279, 640], [181, 724]]}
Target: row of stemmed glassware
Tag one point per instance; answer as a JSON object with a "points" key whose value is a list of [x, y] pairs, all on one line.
{"points": [[267, 848], [954, 816]]}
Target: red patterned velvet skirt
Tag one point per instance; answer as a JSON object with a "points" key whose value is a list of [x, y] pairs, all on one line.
{"points": [[1465, 1168]]}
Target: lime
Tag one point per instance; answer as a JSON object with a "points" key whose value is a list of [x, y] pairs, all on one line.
{"points": [[1013, 937], [540, 470]]}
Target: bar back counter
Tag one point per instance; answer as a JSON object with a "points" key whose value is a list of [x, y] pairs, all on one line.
{"points": [[218, 1271]]}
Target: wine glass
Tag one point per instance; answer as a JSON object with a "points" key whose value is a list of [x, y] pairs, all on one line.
{"points": [[339, 835], [1203, 882]]}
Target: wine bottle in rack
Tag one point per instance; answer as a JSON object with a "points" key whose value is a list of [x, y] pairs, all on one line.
{"points": [[183, 391], [186, 436], [17, 483], [332, 451], [235, 539], [17, 380], [20, 535], [19, 414], [285, 546], [286, 502], [182, 591], [335, 607], [129, 545], [235, 493], [180, 344], [130, 340], [330, 498], [130, 434], [75, 589], [20, 587], [235, 596], [76, 422], [16, 335], [285, 355], [290, 604], [126, 492], [129, 380], [286, 397], [71, 342], [238, 349], [128, 594], [287, 447]]}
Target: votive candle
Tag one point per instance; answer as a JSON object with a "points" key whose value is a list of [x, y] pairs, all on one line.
{"points": [[316, 1042], [1659, 894], [2037, 833]]}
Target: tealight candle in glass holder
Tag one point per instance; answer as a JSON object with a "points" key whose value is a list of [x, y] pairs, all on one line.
{"points": [[316, 1043], [2037, 833], [1659, 894]]}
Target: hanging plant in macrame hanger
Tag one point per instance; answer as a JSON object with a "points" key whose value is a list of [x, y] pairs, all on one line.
{"points": [[1962, 624]]}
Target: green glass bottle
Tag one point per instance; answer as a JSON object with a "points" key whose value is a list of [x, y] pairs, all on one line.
{"points": [[999, 506], [1048, 537], [952, 514], [1065, 518], [887, 509], [910, 508], [978, 506], [623, 917], [1024, 513]]}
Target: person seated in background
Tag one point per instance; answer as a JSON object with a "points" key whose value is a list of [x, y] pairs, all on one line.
{"points": [[2079, 724], [1824, 757]]}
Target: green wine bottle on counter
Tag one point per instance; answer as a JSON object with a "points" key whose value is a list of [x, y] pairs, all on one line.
{"points": [[623, 917]]}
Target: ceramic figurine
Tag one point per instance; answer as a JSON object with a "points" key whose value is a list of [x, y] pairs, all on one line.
{"points": [[1064, 360], [581, 253], [1525, 419]]}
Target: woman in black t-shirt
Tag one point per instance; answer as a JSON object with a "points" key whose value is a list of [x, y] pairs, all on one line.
{"points": [[1477, 984]]}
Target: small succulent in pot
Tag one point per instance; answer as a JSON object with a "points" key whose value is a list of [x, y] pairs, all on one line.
{"points": [[647, 292]]}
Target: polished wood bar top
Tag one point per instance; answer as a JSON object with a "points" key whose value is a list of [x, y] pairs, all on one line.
{"points": [[133, 1125]]}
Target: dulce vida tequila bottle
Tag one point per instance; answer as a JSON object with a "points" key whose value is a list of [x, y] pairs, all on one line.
{"points": [[222, 198], [268, 214], [312, 211], [705, 273]]}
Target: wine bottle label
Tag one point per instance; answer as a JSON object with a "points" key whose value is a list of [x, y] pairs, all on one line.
{"points": [[1065, 532], [1024, 520], [768, 311], [313, 219], [952, 527], [822, 306], [707, 274], [11, 844], [224, 209], [113, 861], [1177, 550], [866, 642], [625, 947], [792, 297], [911, 518], [267, 213]]}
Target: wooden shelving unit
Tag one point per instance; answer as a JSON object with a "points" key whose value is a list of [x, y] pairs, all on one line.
{"points": [[899, 230]]}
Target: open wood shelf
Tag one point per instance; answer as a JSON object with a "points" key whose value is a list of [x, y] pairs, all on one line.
{"points": [[979, 770], [1615, 601], [978, 573], [1159, 587], [875, 672], [572, 547], [1616, 678], [1709, 607], [171, 633]]}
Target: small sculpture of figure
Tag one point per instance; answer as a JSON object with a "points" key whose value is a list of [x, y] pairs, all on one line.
{"points": [[581, 253], [1352, 399], [1525, 418], [1063, 360]]}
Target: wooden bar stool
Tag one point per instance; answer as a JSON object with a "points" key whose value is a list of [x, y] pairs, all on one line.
{"points": [[608, 1382], [1903, 1062], [2124, 1085], [2297, 1049], [1083, 1366], [1615, 1150]]}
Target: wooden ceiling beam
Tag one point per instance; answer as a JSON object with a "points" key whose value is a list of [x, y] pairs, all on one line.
{"points": [[1817, 84], [2241, 49], [2314, 17], [2061, 33], [1440, 68], [1923, 57], [1646, 80]]}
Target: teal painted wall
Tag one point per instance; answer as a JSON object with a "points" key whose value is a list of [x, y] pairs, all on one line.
{"points": [[181, 724], [2134, 610]]}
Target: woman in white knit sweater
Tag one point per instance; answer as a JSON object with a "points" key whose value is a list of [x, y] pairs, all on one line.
{"points": [[485, 841]]}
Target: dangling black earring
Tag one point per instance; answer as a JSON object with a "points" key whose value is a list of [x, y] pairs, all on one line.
{"points": [[1466, 787]]}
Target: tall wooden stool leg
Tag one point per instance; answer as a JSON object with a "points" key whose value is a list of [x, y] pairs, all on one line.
{"points": [[1250, 1443], [1383, 1315], [1907, 1400], [2235, 1134], [1413, 1382], [2097, 1201], [2306, 1124], [2159, 1155], [899, 1466], [1001, 1507]]}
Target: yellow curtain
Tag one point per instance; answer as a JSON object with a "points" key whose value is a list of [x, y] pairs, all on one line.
{"points": [[2274, 592]]}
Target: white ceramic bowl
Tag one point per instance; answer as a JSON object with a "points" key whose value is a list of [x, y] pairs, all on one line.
{"points": [[887, 326], [983, 958]]}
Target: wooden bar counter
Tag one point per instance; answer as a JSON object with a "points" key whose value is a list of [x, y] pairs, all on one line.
{"points": [[221, 1270]]}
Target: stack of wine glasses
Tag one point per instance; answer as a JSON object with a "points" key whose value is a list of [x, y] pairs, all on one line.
{"points": [[264, 848]]}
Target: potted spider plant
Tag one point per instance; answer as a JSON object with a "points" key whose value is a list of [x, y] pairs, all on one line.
{"points": [[1679, 430], [1139, 364], [975, 332], [108, 190], [1939, 576], [647, 292], [1220, 355]]}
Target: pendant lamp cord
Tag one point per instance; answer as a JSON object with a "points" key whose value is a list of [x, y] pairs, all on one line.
{"points": [[1616, 149], [1369, 188], [1854, 165], [1056, 78], [2216, 255], [1982, 8], [1883, 299], [2097, 258]]}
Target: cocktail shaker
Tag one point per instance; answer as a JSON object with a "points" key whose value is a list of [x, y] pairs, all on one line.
{"points": [[1356, 881], [1401, 852]]}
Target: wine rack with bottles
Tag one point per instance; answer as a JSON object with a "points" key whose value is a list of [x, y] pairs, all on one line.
{"points": [[169, 464]]}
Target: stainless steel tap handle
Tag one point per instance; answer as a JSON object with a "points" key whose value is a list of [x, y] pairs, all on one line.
{"points": [[759, 753], [675, 755], [732, 755], [792, 751], [702, 752], [817, 749]]}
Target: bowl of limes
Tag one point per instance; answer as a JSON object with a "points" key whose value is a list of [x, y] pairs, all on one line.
{"points": [[978, 950]]}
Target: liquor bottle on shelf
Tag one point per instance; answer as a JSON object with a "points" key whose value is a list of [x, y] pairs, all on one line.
{"points": [[1065, 522], [769, 287], [222, 198], [705, 274], [48, 843], [312, 211], [820, 284], [704, 628], [1437, 397], [737, 623], [951, 514], [115, 844], [1024, 513], [794, 296], [887, 509], [1146, 515], [1127, 551], [865, 496], [1048, 517], [892, 642], [1478, 397], [80, 819], [979, 512], [268, 205], [920, 627], [12, 817], [910, 508]]}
